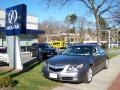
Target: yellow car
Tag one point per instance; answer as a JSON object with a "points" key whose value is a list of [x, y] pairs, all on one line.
{"points": [[58, 44]]}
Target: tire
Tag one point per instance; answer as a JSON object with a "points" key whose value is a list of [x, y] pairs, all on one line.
{"points": [[106, 64], [40, 57], [89, 75]]}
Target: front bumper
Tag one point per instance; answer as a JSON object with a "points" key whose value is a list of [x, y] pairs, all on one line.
{"points": [[64, 75]]}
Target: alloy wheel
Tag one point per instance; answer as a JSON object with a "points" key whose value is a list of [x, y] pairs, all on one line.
{"points": [[106, 63], [89, 75]]}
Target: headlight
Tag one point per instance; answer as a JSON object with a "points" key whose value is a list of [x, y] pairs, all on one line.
{"points": [[75, 67]]}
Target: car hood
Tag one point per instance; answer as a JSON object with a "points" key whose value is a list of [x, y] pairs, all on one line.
{"points": [[69, 60]]}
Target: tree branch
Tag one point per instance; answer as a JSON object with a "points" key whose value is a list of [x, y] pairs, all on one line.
{"points": [[100, 5], [48, 3], [107, 8], [65, 2], [92, 4], [89, 7]]}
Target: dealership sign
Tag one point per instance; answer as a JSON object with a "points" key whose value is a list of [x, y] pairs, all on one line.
{"points": [[16, 20]]}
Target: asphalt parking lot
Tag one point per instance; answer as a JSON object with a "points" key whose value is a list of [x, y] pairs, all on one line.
{"points": [[25, 57]]}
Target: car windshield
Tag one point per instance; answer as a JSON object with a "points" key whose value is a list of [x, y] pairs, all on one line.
{"points": [[79, 50]]}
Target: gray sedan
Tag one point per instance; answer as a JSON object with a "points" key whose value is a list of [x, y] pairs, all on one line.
{"points": [[78, 63]]}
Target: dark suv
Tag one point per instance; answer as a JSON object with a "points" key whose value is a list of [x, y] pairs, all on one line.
{"points": [[42, 50]]}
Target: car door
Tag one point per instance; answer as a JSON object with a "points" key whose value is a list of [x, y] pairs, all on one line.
{"points": [[103, 56], [97, 58]]}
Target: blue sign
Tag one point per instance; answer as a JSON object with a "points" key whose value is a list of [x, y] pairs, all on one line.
{"points": [[16, 20]]}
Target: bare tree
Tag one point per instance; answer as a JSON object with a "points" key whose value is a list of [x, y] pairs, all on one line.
{"points": [[103, 24], [96, 7], [52, 28], [116, 14], [81, 25]]}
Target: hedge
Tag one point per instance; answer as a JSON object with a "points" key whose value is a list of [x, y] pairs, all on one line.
{"points": [[5, 81]]}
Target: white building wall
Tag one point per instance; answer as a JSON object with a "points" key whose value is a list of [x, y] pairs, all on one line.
{"points": [[2, 18], [2, 14], [32, 22], [32, 26], [30, 18], [2, 23]]}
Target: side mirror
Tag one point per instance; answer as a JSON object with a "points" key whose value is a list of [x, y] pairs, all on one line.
{"points": [[94, 50]]}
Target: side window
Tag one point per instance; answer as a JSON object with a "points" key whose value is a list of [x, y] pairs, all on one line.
{"points": [[96, 51], [102, 51]]}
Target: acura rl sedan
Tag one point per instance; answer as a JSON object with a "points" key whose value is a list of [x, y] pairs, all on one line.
{"points": [[78, 63]]}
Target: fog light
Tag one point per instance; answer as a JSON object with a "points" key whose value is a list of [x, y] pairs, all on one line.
{"points": [[75, 79]]}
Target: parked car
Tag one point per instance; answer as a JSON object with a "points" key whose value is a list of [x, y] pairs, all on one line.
{"points": [[3, 55], [42, 50], [78, 63]]}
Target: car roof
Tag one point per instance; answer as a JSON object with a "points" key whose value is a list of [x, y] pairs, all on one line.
{"points": [[39, 43], [86, 44]]}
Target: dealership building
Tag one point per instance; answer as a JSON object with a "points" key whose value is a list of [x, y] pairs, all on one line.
{"points": [[25, 40]]}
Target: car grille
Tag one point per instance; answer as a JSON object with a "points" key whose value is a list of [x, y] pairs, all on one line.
{"points": [[56, 68], [67, 78]]}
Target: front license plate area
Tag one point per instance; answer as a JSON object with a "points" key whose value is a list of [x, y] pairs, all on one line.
{"points": [[53, 75]]}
